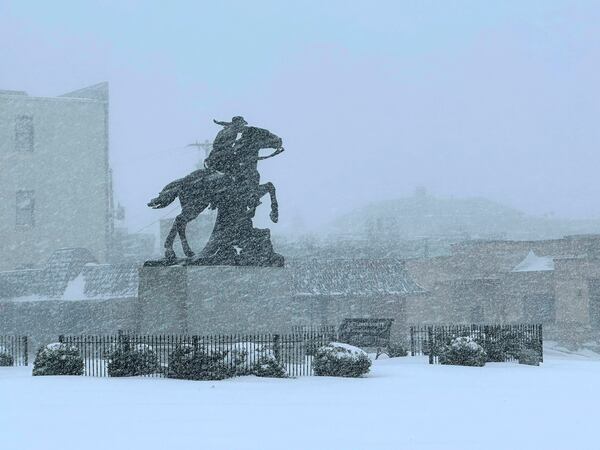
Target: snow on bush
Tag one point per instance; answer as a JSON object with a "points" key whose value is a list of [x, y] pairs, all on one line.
{"points": [[6, 358], [463, 351], [58, 359], [198, 363], [396, 350], [249, 358], [500, 346], [529, 356], [341, 360], [132, 360]]}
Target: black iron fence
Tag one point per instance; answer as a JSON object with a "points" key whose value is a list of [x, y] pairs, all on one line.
{"points": [[294, 351], [315, 329], [14, 351], [501, 342]]}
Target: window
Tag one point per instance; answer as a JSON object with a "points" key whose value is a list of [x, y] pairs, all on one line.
{"points": [[25, 207], [24, 134]]}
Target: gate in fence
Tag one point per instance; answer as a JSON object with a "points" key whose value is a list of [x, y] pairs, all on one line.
{"points": [[504, 341], [294, 351], [14, 350]]}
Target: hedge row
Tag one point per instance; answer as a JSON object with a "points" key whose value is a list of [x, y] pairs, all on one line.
{"points": [[200, 363]]}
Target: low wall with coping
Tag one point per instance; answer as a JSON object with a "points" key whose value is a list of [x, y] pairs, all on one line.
{"points": [[44, 320]]}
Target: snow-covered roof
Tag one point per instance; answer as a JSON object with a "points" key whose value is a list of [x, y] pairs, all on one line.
{"points": [[71, 274], [534, 263], [364, 277]]}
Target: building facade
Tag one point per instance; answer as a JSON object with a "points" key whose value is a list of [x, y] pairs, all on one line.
{"points": [[55, 181], [552, 282]]}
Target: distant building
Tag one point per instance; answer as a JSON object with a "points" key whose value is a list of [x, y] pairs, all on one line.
{"points": [[132, 247], [553, 282], [450, 220], [55, 181]]}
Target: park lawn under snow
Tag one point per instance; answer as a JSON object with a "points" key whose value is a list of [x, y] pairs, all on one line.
{"points": [[403, 404]]}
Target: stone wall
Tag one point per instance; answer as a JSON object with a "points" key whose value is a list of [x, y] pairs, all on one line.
{"points": [[43, 321]]}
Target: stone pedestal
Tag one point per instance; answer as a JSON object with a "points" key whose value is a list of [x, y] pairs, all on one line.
{"points": [[218, 299], [207, 300]]}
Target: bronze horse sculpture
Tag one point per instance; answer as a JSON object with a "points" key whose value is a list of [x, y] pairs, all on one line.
{"points": [[234, 192]]}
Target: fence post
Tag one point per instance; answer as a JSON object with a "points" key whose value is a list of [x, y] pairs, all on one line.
{"points": [[277, 346], [430, 339], [541, 343], [123, 340], [61, 338], [25, 351], [412, 341]]}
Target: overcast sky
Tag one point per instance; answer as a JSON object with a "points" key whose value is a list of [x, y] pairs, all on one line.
{"points": [[468, 98]]}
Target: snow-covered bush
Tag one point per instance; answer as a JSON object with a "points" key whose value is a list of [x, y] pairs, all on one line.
{"points": [[500, 346], [132, 360], [463, 351], [529, 356], [396, 350], [6, 359], [58, 359], [248, 358], [341, 360], [198, 363]]}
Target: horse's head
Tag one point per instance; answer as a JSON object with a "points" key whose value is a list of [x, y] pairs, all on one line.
{"points": [[257, 138]]}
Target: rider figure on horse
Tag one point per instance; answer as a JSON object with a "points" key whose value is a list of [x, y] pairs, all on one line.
{"points": [[222, 156], [226, 157]]}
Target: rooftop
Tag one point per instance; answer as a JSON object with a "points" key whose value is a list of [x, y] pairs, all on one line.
{"points": [[346, 277]]}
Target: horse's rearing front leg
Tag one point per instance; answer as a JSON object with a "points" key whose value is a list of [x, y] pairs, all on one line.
{"points": [[169, 252], [270, 189]]}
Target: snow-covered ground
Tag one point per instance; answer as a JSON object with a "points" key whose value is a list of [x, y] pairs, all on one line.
{"points": [[403, 404]]}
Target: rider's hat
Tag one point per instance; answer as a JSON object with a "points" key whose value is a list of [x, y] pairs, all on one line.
{"points": [[237, 120]]}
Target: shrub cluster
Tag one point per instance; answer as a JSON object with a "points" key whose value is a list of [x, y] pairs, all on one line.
{"points": [[341, 360], [529, 356], [248, 358], [132, 360], [58, 359], [6, 359], [501, 347], [204, 363], [396, 351], [198, 363], [463, 351]]}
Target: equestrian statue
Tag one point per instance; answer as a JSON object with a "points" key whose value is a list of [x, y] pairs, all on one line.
{"points": [[229, 183]]}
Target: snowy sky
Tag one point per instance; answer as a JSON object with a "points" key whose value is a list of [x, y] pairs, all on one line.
{"points": [[468, 98]]}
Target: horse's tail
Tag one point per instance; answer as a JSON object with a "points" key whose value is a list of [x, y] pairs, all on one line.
{"points": [[166, 196]]}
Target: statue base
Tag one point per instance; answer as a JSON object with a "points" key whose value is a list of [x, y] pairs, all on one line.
{"points": [[256, 251], [218, 299], [274, 260]]}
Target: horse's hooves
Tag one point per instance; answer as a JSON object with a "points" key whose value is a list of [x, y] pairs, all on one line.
{"points": [[170, 254], [274, 216], [190, 254]]}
